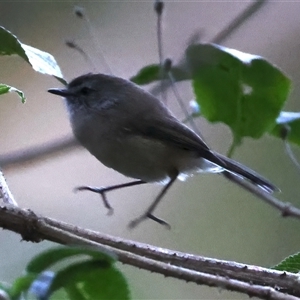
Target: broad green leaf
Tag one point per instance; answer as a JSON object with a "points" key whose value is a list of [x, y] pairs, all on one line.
{"points": [[106, 284], [290, 264], [244, 91], [40, 61], [49, 257], [76, 272], [151, 73], [289, 121], [93, 280], [4, 89], [62, 294], [72, 291]]}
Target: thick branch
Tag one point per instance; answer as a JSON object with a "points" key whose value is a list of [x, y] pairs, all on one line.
{"points": [[251, 280]]}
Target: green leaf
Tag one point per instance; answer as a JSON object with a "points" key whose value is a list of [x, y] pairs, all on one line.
{"points": [[106, 284], [290, 122], [73, 292], [147, 75], [241, 90], [43, 62], [9, 44], [40, 61], [152, 73], [289, 264], [93, 280], [49, 257], [4, 89], [21, 284]]}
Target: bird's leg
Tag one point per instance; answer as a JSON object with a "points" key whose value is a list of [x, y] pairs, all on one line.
{"points": [[103, 190], [148, 213]]}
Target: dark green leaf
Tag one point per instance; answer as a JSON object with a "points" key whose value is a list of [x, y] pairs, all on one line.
{"points": [[147, 75], [152, 73], [4, 89], [93, 279], [290, 264], [73, 292], [21, 284], [54, 255], [63, 294], [106, 284], [76, 272], [241, 90], [9, 44], [288, 126]]}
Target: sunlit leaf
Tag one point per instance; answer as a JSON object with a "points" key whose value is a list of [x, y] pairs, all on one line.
{"points": [[40, 61]]}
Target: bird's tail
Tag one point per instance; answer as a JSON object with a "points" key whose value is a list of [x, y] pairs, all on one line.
{"points": [[239, 169]]}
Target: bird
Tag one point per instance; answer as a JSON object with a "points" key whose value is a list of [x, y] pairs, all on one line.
{"points": [[133, 132]]}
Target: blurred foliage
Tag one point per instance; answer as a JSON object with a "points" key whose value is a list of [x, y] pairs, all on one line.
{"points": [[79, 274]]}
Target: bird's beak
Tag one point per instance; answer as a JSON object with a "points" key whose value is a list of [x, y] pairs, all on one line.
{"points": [[60, 92]]}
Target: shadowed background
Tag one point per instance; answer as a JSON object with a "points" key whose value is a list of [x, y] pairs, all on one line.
{"points": [[209, 216]]}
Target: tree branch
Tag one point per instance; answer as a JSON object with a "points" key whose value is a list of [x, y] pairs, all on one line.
{"points": [[37, 153], [252, 280]]}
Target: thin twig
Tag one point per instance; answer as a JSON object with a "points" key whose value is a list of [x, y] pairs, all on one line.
{"points": [[34, 228], [37, 153], [73, 45], [233, 270], [181, 102], [159, 7], [291, 154], [286, 209], [238, 21], [81, 13]]}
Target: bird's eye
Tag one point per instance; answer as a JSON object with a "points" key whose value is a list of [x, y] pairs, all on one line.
{"points": [[85, 90]]}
